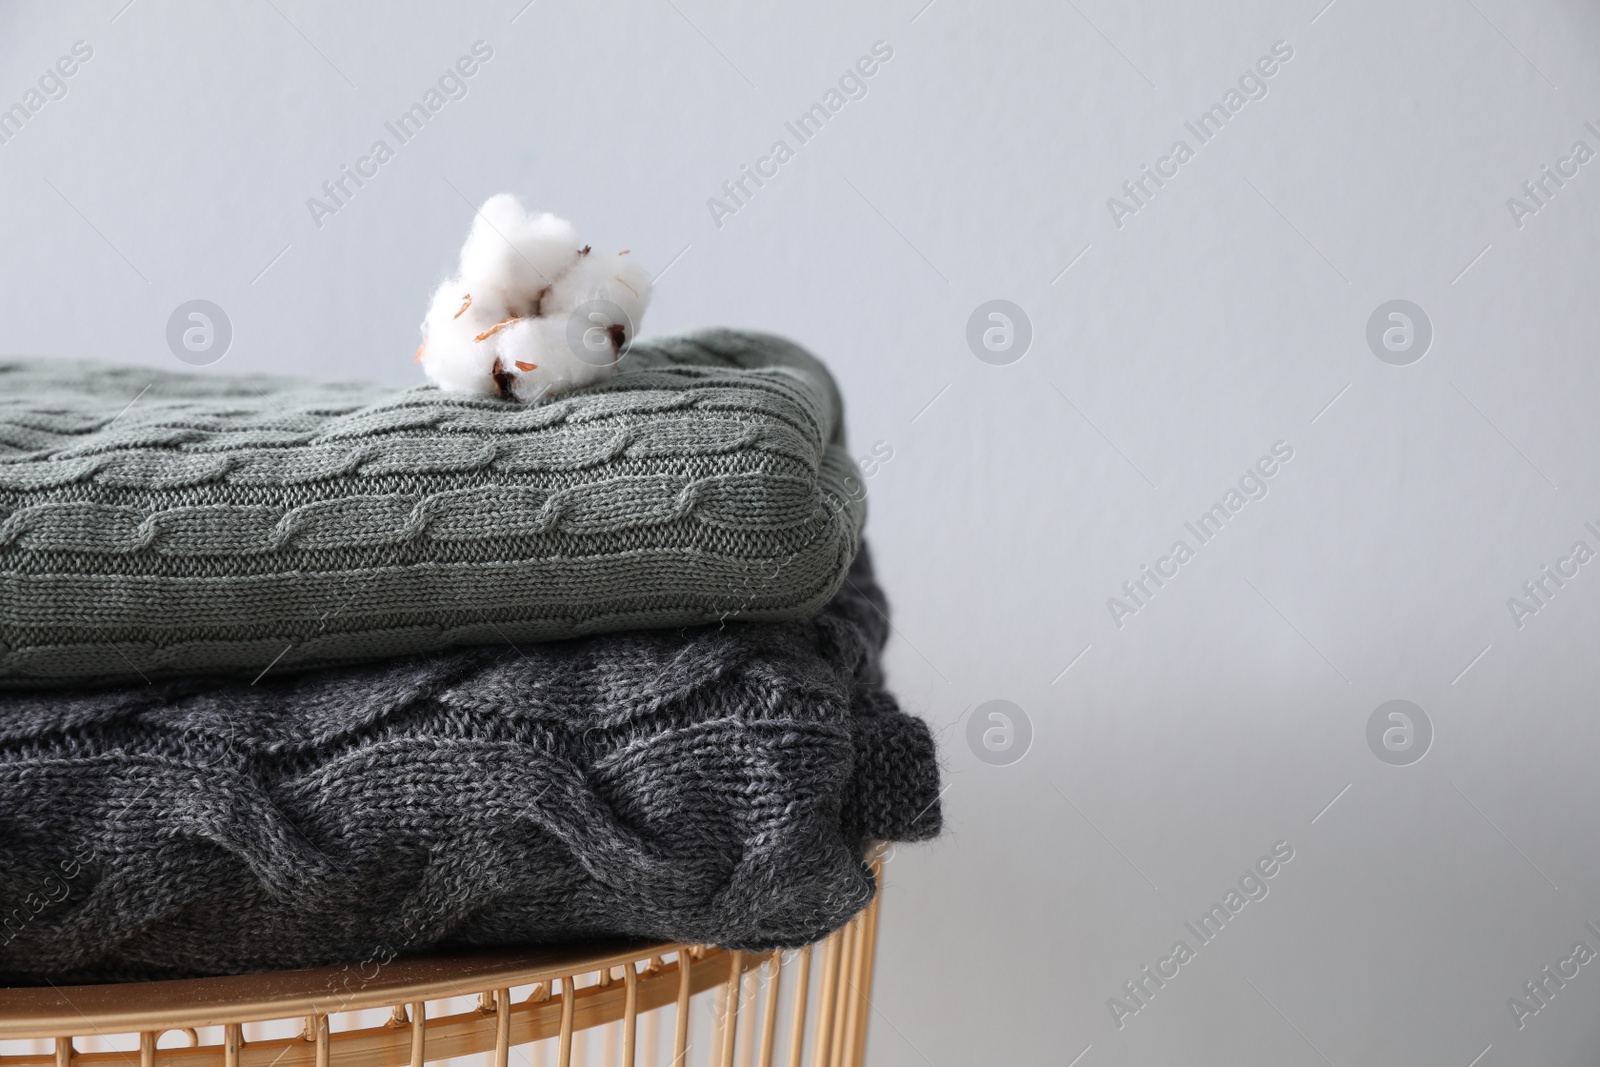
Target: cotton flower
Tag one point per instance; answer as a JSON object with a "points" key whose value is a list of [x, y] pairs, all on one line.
{"points": [[530, 313]]}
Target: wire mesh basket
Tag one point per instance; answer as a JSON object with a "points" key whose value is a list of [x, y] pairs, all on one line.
{"points": [[637, 1004]]}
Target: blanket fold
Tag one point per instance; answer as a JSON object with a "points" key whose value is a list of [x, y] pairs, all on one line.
{"points": [[157, 524], [717, 783]]}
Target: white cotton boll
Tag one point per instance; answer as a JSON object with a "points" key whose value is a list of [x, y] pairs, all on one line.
{"points": [[506, 325]]}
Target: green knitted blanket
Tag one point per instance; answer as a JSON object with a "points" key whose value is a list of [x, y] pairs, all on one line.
{"points": [[156, 523]]}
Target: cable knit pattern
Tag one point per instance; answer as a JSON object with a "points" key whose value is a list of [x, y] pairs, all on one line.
{"points": [[155, 523], [713, 784]]}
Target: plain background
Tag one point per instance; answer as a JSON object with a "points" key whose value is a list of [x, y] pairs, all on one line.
{"points": [[1168, 355]]}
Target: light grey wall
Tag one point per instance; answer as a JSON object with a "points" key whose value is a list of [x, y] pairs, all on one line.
{"points": [[1169, 354]]}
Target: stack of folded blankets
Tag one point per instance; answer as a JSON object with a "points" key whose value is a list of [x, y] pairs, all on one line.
{"points": [[295, 674]]}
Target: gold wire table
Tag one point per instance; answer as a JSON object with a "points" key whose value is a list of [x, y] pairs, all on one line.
{"points": [[765, 1010]]}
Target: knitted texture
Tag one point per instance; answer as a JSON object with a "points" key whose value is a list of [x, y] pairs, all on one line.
{"points": [[716, 784], [155, 524]]}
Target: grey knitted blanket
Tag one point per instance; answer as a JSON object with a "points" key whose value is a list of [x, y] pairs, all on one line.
{"points": [[713, 784], [157, 524]]}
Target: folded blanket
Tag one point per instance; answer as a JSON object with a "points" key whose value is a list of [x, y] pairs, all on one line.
{"points": [[717, 784], [155, 524]]}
